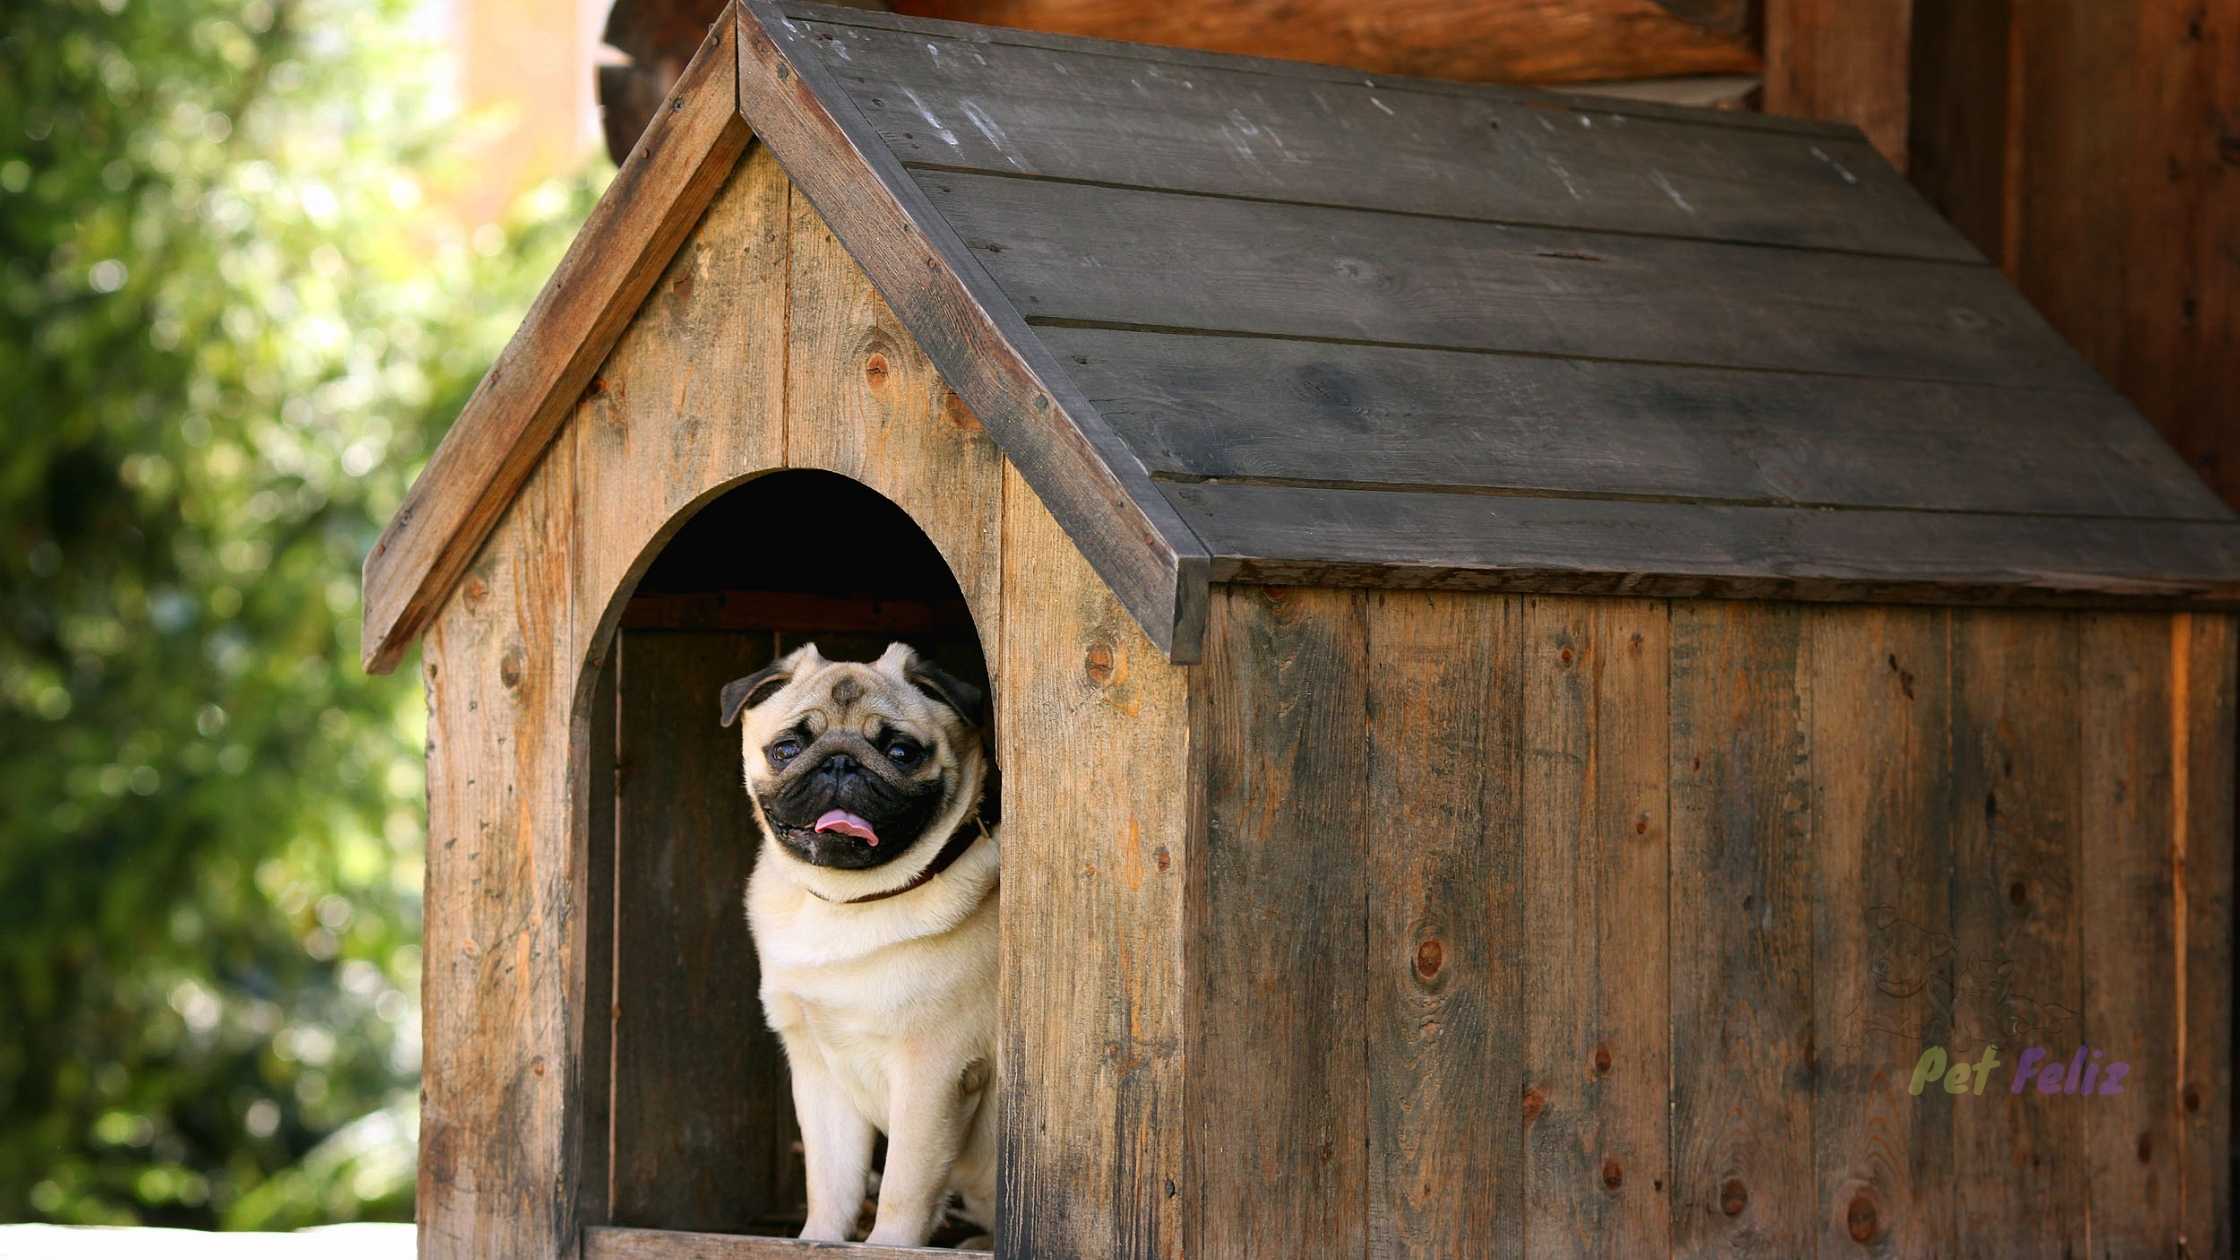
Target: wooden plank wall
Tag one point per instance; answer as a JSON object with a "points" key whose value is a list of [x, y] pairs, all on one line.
{"points": [[2092, 149], [1578, 926]]}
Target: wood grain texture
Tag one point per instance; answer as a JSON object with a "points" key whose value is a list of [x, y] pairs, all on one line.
{"points": [[1845, 63], [2203, 702], [1534, 41], [2016, 900], [692, 398], [1741, 936], [974, 334], [501, 1001], [1278, 1136], [1099, 802], [2153, 169], [1356, 537], [1378, 415], [1491, 155], [1881, 949], [703, 1116], [1447, 971], [1598, 1052], [650, 1244], [868, 404], [2126, 941], [504, 430], [1080, 253]]}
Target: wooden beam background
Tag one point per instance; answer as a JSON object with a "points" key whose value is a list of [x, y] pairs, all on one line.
{"points": [[2092, 149]]}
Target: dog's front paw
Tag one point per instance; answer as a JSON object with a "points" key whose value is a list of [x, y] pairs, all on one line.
{"points": [[899, 1236], [816, 1232]]}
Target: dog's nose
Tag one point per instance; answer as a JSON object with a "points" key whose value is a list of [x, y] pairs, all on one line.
{"points": [[839, 764]]}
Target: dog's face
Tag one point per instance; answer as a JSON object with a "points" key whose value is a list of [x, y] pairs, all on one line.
{"points": [[851, 766]]}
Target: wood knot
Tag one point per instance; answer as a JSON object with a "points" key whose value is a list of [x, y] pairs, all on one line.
{"points": [[2192, 1098], [1612, 1175], [536, 1065], [597, 387], [1535, 1102], [875, 370], [1430, 956], [1862, 1220], [1097, 663], [1602, 1058], [510, 666], [2018, 893], [1641, 825], [1160, 857], [1733, 1197], [1564, 656], [958, 416]]}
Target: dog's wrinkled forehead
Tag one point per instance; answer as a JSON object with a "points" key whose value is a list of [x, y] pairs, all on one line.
{"points": [[804, 689]]}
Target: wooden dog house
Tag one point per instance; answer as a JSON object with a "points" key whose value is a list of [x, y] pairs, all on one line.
{"points": [[1542, 654]]}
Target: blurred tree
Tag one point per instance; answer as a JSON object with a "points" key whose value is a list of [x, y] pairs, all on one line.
{"points": [[230, 331]]}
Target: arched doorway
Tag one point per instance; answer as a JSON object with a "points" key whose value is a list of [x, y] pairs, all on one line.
{"points": [[689, 1119]]}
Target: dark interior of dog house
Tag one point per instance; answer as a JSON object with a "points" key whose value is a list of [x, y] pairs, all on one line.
{"points": [[690, 1115]]}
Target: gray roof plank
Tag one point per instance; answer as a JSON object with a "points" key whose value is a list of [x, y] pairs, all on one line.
{"points": [[1322, 536], [1065, 113], [1088, 254], [1300, 410]]}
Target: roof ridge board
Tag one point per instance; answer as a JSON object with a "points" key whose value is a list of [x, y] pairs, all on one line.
{"points": [[1532, 97], [949, 168], [660, 191], [1089, 478]]}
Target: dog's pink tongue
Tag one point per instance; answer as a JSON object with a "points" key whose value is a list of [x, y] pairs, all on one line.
{"points": [[847, 824]]}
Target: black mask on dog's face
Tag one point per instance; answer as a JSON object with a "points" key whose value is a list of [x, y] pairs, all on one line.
{"points": [[852, 765]]}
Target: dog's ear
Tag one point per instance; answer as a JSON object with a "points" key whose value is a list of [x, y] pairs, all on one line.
{"points": [[949, 689], [745, 693]]}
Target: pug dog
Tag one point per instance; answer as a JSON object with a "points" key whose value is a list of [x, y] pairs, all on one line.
{"points": [[873, 907]]}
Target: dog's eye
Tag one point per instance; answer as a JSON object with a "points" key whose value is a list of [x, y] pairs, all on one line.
{"points": [[903, 753], [783, 751]]}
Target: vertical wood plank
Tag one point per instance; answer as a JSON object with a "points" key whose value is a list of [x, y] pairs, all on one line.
{"points": [[1598, 1059], [2127, 942], [1098, 801], [692, 398], [1278, 1130], [702, 1113], [501, 998], [1445, 974], [2015, 904], [596, 872], [864, 401], [1742, 865], [2202, 713], [1881, 822], [1844, 62]]}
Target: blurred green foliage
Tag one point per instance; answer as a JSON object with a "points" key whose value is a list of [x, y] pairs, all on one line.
{"points": [[231, 328]]}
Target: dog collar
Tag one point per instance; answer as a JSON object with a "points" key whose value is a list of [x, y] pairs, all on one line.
{"points": [[959, 840]]}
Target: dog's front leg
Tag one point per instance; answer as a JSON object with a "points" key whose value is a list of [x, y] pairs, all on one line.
{"points": [[927, 1111], [835, 1144]]}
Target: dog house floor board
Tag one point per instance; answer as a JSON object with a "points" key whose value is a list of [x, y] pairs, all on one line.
{"points": [[658, 1244]]}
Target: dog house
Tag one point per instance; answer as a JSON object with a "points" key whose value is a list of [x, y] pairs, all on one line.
{"points": [[1545, 656]]}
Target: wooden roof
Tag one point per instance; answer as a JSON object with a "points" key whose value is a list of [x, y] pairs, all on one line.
{"points": [[1247, 320]]}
